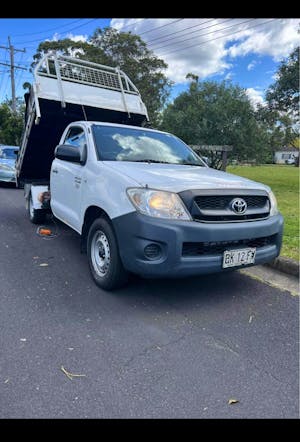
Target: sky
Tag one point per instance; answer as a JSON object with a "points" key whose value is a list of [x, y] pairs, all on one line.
{"points": [[244, 51]]}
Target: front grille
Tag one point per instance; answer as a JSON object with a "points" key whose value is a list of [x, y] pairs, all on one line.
{"points": [[218, 208], [216, 202], [226, 218], [219, 247]]}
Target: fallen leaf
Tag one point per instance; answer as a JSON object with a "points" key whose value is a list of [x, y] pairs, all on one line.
{"points": [[232, 401], [44, 264], [71, 375]]}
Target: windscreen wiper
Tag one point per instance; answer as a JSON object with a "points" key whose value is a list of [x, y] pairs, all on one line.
{"points": [[147, 160], [191, 164]]}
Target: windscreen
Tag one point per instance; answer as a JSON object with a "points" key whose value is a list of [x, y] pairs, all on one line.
{"points": [[138, 145]]}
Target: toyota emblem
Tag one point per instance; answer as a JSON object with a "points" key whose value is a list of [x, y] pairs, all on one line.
{"points": [[239, 206]]}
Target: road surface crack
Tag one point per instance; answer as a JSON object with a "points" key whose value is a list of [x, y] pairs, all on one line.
{"points": [[152, 347], [221, 345]]}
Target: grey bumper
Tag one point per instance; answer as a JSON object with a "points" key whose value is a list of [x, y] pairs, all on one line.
{"points": [[135, 231]]}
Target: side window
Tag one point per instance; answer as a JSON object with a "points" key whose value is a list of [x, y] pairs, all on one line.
{"points": [[76, 138]]}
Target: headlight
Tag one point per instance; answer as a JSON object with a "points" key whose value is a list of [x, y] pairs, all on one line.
{"points": [[158, 203], [273, 201]]}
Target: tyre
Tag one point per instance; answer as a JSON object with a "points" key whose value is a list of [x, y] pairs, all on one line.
{"points": [[36, 216], [103, 254]]}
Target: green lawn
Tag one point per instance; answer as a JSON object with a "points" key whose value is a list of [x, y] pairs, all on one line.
{"points": [[284, 181]]}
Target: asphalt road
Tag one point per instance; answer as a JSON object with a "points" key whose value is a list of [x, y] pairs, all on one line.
{"points": [[156, 349]]}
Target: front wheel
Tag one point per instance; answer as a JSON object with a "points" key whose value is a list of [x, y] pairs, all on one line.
{"points": [[103, 254], [36, 216]]}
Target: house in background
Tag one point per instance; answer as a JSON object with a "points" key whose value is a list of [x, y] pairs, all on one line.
{"points": [[286, 155]]}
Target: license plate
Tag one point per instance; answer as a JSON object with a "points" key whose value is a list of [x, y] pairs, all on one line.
{"points": [[235, 258]]}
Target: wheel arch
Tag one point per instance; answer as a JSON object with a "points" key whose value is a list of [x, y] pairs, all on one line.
{"points": [[91, 213]]}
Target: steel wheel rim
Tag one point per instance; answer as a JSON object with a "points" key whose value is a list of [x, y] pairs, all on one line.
{"points": [[100, 253]]}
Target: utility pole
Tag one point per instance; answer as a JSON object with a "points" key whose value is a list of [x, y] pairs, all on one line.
{"points": [[12, 66]]}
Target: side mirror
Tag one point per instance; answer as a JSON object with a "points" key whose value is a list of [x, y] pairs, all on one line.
{"points": [[68, 153]]}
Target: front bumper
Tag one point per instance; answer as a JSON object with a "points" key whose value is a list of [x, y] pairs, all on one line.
{"points": [[135, 231]]}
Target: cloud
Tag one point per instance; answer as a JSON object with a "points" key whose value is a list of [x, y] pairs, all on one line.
{"points": [[255, 96], [276, 39], [55, 37], [206, 47], [71, 36], [251, 65], [77, 37], [164, 36], [229, 76]]}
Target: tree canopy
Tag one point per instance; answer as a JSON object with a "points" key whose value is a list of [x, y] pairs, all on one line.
{"points": [[127, 51], [11, 124], [211, 113], [283, 95]]}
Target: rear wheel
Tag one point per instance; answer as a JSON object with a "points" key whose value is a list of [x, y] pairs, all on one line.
{"points": [[103, 254], [36, 216]]}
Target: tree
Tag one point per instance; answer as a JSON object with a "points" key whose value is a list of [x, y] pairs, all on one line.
{"points": [[66, 47], [279, 127], [211, 113], [11, 124], [283, 102], [283, 95], [127, 51]]}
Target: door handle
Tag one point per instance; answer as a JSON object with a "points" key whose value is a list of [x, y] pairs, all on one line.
{"points": [[54, 171]]}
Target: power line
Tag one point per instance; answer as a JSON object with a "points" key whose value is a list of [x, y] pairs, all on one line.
{"points": [[193, 32], [12, 66], [131, 24], [6, 84], [3, 78], [65, 32], [47, 30], [177, 32], [222, 36], [21, 72], [206, 33], [159, 27]]}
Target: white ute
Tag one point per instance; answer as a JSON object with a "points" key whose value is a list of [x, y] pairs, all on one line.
{"points": [[141, 199]]}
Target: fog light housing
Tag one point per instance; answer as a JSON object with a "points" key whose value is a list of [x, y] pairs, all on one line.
{"points": [[152, 251]]}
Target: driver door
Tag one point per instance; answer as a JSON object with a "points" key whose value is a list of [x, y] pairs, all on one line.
{"points": [[67, 179]]}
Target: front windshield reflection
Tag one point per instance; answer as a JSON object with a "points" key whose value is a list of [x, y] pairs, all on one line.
{"points": [[128, 144]]}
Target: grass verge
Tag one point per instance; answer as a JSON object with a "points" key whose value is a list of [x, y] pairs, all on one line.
{"points": [[284, 181]]}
